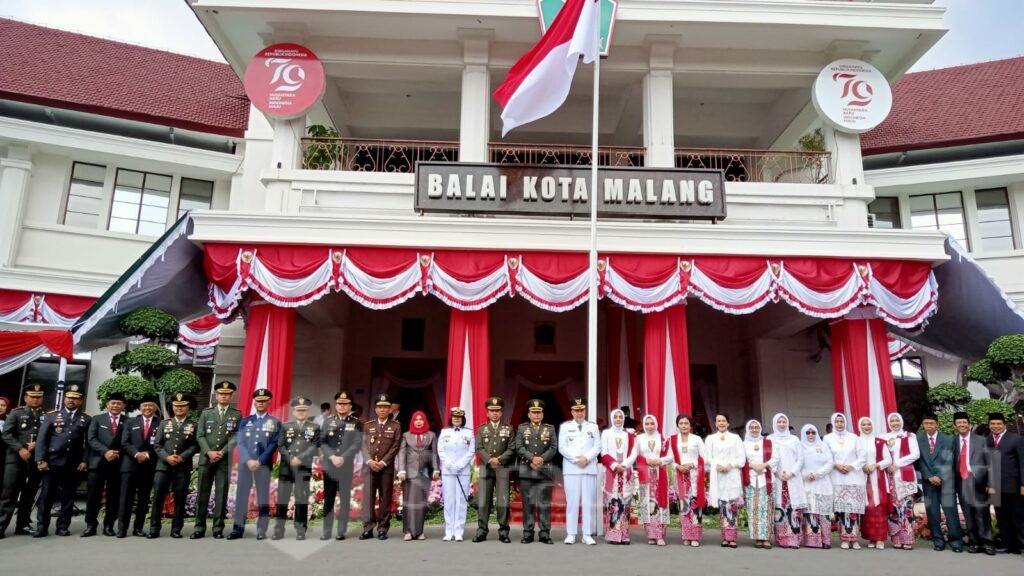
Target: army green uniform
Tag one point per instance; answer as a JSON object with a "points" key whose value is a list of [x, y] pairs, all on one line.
{"points": [[494, 440], [297, 440], [21, 477], [535, 484], [172, 438], [215, 432]]}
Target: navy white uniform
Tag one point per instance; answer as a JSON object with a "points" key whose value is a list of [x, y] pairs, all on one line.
{"points": [[456, 448], [576, 439]]}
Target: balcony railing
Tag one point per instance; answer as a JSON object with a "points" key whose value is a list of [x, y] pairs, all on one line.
{"points": [[400, 156]]}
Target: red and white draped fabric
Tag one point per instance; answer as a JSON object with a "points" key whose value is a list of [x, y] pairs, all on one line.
{"points": [[898, 348], [200, 333], [903, 293], [267, 358], [469, 362], [666, 365], [20, 348], [861, 373], [623, 373], [61, 310]]}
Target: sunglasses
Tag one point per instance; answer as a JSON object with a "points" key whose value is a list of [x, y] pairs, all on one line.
{"points": [[811, 433]]}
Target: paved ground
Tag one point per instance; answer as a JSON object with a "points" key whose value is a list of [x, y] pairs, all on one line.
{"points": [[56, 556]]}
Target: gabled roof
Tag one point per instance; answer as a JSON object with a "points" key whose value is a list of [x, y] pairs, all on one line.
{"points": [[74, 71], [970, 104]]}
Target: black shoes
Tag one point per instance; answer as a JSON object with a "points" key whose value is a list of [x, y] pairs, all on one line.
{"points": [[382, 536], [138, 533], [339, 537], [122, 534], [89, 532], [504, 539], [325, 536], [366, 535], [63, 532], [300, 534], [545, 540], [479, 538], [153, 535], [235, 535], [197, 536], [217, 535], [40, 534], [23, 531], [261, 535], [527, 539], [109, 531], [176, 534], [939, 547]]}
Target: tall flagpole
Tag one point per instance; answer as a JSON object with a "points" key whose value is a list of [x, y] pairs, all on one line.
{"points": [[592, 303]]}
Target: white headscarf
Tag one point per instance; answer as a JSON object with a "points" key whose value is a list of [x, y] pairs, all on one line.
{"points": [[866, 437], [803, 436], [846, 428], [611, 420], [775, 430], [747, 437], [869, 446], [889, 417], [657, 430]]}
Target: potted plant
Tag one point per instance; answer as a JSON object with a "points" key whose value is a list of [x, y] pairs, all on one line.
{"points": [[325, 154]]}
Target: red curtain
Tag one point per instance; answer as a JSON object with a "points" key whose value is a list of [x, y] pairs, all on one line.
{"points": [[861, 374], [664, 340], [267, 358], [622, 337], [469, 363], [58, 342]]}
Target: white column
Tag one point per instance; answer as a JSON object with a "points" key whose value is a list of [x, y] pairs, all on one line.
{"points": [[848, 172], [285, 151], [475, 120], [971, 222], [659, 113], [15, 171]]}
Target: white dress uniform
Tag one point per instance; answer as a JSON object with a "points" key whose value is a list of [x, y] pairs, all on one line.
{"points": [[456, 448], [577, 439]]}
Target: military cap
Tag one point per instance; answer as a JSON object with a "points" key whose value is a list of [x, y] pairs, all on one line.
{"points": [[535, 405], [301, 402], [343, 397], [150, 398], [997, 416], [458, 411], [35, 390], [115, 396], [181, 399], [961, 416], [577, 403], [262, 394], [225, 386], [494, 402], [73, 391], [383, 400]]}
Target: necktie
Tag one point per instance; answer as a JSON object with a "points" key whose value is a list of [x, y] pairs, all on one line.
{"points": [[579, 427], [963, 459], [222, 414], [931, 443], [997, 440], [145, 428], [113, 424]]}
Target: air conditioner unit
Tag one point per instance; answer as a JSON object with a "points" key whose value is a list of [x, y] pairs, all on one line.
{"points": [[871, 220]]}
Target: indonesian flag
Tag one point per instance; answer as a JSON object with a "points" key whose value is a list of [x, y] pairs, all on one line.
{"points": [[539, 82]]}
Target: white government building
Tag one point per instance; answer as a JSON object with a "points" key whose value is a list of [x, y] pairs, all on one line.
{"points": [[814, 242]]}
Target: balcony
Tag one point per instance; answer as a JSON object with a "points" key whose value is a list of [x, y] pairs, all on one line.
{"points": [[400, 156]]}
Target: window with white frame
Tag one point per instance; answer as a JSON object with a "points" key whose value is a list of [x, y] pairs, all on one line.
{"points": [[939, 212], [887, 212], [140, 203], [995, 227], [194, 195], [85, 195]]}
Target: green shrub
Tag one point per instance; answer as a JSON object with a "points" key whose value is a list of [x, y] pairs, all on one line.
{"points": [[979, 410], [150, 360], [133, 388], [984, 371], [948, 396], [152, 323], [178, 380], [1007, 350]]}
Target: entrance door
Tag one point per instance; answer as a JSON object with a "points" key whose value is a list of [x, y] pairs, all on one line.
{"points": [[554, 382], [415, 383]]}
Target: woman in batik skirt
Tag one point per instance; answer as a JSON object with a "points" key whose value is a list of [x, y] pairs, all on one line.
{"points": [[902, 482], [688, 461], [817, 475], [849, 484], [789, 494], [757, 484], [725, 457], [651, 465], [874, 524], [618, 453]]}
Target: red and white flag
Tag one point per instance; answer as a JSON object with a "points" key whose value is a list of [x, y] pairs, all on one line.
{"points": [[539, 82]]}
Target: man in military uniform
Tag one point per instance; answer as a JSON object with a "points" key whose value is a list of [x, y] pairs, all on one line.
{"points": [[257, 444], [579, 442], [536, 446], [381, 441], [215, 435], [495, 449], [341, 437], [104, 438], [138, 467], [21, 476], [175, 446], [298, 444], [59, 456]]}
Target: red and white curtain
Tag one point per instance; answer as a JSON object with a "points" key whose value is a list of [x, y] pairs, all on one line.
{"points": [[898, 348], [20, 348], [61, 310], [199, 339], [469, 363], [267, 357], [861, 372], [623, 361], [903, 293], [666, 366]]}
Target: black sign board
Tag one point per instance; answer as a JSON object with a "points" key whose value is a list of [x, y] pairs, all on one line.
{"points": [[516, 189]]}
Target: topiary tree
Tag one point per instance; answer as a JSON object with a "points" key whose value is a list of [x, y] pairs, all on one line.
{"points": [[948, 396], [152, 323], [133, 388], [151, 360], [1002, 369], [178, 380]]}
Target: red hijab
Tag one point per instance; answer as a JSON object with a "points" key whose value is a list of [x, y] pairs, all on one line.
{"points": [[420, 429], [7, 407]]}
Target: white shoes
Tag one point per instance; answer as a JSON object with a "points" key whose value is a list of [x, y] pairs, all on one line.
{"points": [[447, 538], [589, 541], [570, 539], [458, 538]]}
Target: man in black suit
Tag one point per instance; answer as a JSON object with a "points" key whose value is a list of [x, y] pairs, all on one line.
{"points": [[1007, 483], [971, 465], [60, 452], [936, 468], [104, 441], [341, 436], [175, 445], [138, 466]]}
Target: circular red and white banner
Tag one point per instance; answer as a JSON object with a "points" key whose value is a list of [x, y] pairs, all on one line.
{"points": [[284, 80]]}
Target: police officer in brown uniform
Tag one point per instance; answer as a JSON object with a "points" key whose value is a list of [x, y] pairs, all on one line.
{"points": [[297, 443], [496, 450], [381, 440], [536, 445]]}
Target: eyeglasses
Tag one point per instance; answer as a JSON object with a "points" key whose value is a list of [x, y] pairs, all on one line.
{"points": [[811, 432]]}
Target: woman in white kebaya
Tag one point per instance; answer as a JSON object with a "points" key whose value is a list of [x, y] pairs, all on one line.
{"points": [[817, 476], [725, 457], [618, 454], [687, 450], [790, 495], [652, 468], [757, 484], [874, 525], [902, 482], [849, 484]]}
